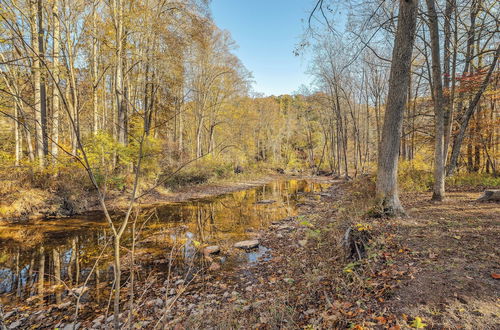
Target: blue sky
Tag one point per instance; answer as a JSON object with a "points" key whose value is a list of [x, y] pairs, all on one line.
{"points": [[267, 32]]}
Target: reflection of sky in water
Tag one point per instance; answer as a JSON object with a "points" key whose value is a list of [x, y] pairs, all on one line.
{"points": [[6, 282], [258, 254], [219, 220]]}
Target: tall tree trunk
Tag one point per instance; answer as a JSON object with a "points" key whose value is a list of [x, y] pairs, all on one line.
{"points": [[43, 89], [199, 130], [439, 162], [387, 187], [36, 73], [56, 97], [447, 76], [119, 81], [469, 52], [95, 123], [178, 109], [117, 275], [17, 135]]}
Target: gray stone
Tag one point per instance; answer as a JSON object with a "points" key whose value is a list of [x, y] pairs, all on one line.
{"points": [[158, 302], [250, 244], [98, 319]]}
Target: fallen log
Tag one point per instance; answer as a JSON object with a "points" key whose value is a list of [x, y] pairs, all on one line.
{"points": [[491, 195]]}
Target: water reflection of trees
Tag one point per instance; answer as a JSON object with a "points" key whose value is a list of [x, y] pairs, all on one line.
{"points": [[45, 270], [61, 259]]}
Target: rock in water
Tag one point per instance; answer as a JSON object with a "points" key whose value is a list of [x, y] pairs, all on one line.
{"points": [[490, 195], [211, 250], [250, 244]]}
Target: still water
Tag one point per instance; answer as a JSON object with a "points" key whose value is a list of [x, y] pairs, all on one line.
{"points": [[34, 255]]}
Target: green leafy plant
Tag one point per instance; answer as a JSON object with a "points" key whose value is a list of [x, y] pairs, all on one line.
{"points": [[418, 323], [306, 223]]}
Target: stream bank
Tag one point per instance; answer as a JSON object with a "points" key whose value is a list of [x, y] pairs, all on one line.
{"points": [[433, 267], [34, 204]]}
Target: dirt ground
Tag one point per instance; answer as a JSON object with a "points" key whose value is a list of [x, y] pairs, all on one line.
{"points": [[434, 269], [454, 249]]}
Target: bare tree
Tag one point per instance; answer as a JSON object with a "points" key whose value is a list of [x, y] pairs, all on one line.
{"points": [[387, 187], [439, 112]]}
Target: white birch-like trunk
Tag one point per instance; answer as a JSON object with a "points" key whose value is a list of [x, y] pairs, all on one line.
{"points": [[56, 97], [36, 75]]}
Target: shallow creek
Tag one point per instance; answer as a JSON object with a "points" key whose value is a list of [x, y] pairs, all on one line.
{"points": [[29, 252]]}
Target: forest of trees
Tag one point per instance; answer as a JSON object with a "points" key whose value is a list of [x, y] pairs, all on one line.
{"points": [[130, 96], [440, 88], [104, 73]]}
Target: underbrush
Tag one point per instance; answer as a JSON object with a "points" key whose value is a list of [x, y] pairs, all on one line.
{"points": [[208, 170], [417, 176], [473, 181], [352, 280], [334, 276], [27, 190], [200, 172]]}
